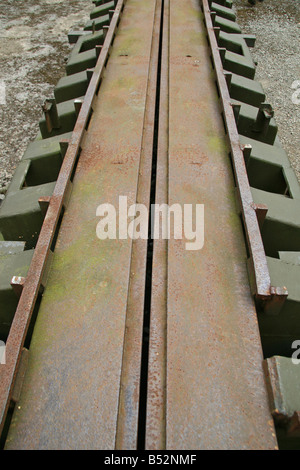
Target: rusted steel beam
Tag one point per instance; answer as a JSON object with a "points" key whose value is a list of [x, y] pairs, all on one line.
{"points": [[34, 277], [128, 416], [269, 298], [204, 334], [156, 387]]}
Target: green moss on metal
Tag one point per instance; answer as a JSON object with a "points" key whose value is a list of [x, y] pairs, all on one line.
{"points": [[217, 144]]}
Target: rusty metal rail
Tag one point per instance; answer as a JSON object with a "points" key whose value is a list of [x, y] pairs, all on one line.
{"points": [[133, 82], [55, 204], [196, 312], [271, 297]]}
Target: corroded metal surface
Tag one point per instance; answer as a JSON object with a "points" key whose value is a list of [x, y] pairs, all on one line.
{"points": [[215, 391], [70, 395], [205, 387], [271, 298], [38, 266], [127, 429]]}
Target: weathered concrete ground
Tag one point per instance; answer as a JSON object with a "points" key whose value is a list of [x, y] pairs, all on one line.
{"points": [[276, 25], [34, 46]]}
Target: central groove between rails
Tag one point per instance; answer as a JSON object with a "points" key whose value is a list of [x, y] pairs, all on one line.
{"points": [[148, 284], [133, 387]]}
